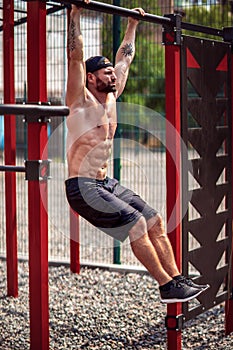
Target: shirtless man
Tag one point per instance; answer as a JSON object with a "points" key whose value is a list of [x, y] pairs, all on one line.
{"points": [[92, 89]]}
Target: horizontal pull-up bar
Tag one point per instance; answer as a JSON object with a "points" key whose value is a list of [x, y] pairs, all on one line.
{"points": [[13, 168], [124, 12], [115, 10], [121, 11], [36, 110], [34, 169]]}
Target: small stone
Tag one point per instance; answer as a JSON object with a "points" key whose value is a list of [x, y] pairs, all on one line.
{"points": [[101, 309]]}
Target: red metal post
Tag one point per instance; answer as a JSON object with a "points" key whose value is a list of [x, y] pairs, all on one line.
{"points": [[74, 243], [10, 148], [38, 218], [74, 218], [173, 148], [229, 303]]}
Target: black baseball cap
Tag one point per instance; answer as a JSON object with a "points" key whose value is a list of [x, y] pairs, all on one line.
{"points": [[97, 62]]}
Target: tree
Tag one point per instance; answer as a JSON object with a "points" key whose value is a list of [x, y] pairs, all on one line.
{"points": [[216, 16], [146, 85]]}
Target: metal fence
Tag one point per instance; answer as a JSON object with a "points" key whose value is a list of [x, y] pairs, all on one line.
{"points": [[141, 129]]}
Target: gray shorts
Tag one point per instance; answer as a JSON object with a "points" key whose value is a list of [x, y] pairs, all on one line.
{"points": [[107, 205]]}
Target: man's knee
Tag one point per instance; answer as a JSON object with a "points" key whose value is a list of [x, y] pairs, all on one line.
{"points": [[156, 225], [138, 230]]}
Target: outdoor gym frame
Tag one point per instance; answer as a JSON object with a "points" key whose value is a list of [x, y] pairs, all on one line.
{"points": [[37, 139], [37, 174]]}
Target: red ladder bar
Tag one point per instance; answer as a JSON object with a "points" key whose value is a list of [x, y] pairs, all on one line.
{"points": [[172, 77], [10, 149], [74, 242], [37, 213]]}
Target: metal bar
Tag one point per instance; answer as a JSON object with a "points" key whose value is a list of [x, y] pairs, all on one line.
{"points": [[74, 242], [50, 111], [172, 78], [23, 20], [117, 10], [123, 12], [10, 149], [202, 29], [37, 209], [13, 168], [15, 10]]}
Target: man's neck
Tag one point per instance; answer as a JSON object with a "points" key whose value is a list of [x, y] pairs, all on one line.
{"points": [[102, 97]]}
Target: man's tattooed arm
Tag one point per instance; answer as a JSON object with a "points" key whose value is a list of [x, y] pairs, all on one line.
{"points": [[72, 35], [76, 73], [127, 50], [75, 40]]}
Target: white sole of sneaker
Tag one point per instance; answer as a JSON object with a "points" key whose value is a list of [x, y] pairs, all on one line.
{"points": [[176, 300], [205, 288], [202, 288]]}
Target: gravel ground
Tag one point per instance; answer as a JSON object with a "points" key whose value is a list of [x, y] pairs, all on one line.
{"points": [[99, 309]]}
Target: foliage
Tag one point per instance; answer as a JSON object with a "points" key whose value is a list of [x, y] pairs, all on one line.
{"points": [[146, 83], [216, 16]]}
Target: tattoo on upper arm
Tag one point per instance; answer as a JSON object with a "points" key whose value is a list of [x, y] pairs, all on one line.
{"points": [[72, 32], [127, 50]]}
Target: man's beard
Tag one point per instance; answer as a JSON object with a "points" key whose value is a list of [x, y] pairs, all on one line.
{"points": [[103, 87]]}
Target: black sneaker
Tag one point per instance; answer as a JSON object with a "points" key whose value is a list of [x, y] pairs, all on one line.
{"points": [[178, 292], [191, 283]]}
